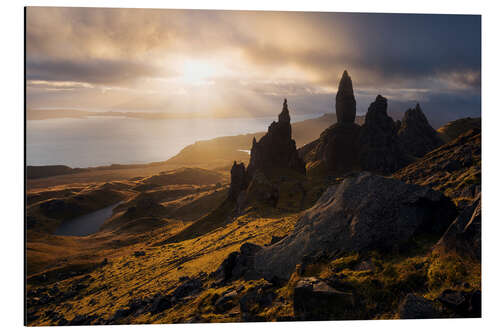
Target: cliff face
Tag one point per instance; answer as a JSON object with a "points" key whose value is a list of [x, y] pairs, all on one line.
{"points": [[276, 149]]}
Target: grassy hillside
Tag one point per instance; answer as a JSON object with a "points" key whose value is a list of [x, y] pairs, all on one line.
{"points": [[454, 129], [158, 258]]}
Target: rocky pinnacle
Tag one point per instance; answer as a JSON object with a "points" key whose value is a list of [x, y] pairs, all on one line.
{"points": [[345, 104], [284, 116]]}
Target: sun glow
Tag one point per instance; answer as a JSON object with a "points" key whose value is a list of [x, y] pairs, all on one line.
{"points": [[196, 72]]}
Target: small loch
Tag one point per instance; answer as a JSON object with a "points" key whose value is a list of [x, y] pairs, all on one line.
{"points": [[86, 224]]}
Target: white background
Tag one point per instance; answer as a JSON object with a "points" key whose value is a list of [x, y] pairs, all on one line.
{"points": [[12, 148]]}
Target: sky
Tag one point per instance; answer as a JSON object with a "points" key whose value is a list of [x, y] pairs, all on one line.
{"points": [[243, 63]]}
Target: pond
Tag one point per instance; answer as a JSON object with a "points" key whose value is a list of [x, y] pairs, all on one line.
{"points": [[86, 224]]}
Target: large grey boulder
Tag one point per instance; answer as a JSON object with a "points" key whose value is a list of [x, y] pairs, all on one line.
{"points": [[363, 212]]}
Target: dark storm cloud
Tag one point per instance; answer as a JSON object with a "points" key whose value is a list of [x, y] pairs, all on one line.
{"points": [[388, 48], [434, 59], [94, 71]]}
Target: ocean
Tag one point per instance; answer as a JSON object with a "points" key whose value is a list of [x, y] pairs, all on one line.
{"points": [[98, 141]]}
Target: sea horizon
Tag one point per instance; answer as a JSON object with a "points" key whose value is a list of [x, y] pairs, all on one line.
{"points": [[102, 140]]}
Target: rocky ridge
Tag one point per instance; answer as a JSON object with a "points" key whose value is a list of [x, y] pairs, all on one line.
{"points": [[415, 135]]}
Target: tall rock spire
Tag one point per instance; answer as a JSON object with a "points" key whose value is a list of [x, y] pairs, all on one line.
{"points": [[284, 116], [276, 149], [345, 104]]}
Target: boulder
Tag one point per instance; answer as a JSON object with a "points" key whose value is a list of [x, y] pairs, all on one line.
{"points": [[237, 264], [464, 235], [417, 307], [226, 302], [462, 303], [276, 149], [189, 287], [363, 212], [453, 299], [379, 150], [160, 303], [314, 299], [345, 104], [415, 134]]}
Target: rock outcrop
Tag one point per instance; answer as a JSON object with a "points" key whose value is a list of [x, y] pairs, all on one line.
{"points": [[336, 151], [379, 150], [417, 307], [460, 303], [238, 180], [380, 145], [464, 234], [313, 299], [345, 104], [237, 265], [276, 149], [415, 134], [363, 212]]}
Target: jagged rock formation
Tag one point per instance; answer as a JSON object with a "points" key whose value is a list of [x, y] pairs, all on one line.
{"points": [[238, 180], [336, 150], [415, 134], [379, 149], [345, 104], [276, 150], [363, 212], [380, 145]]}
